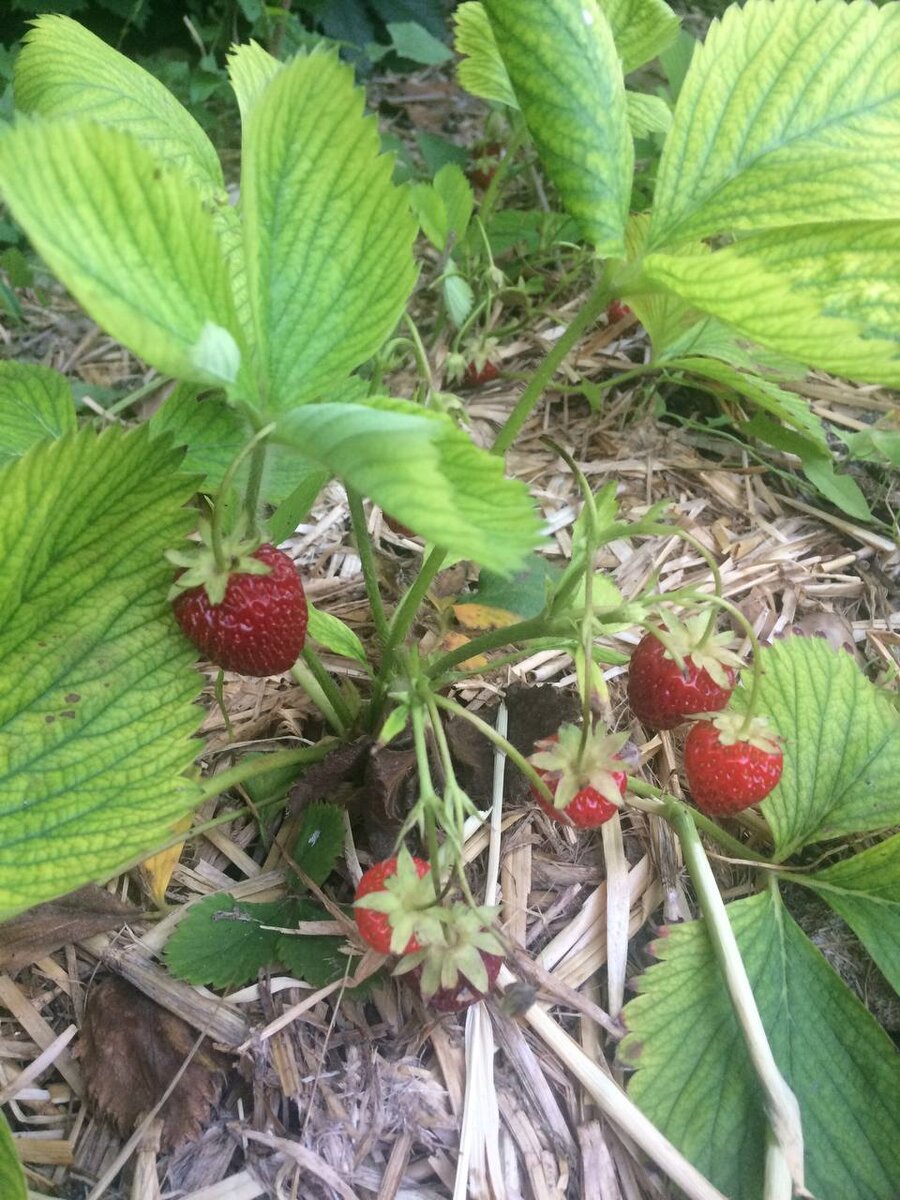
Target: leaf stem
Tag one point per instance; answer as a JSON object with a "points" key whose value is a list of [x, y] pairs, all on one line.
{"points": [[781, 1105], [591, 309], [427, 796], [249, 768], [322, 690], [367, 561]]}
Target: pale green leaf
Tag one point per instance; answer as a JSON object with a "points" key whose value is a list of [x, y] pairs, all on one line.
{"points": [[418, 466], [566, 74], [456, 192], [841, 748], [481, 70], [250, 70], [131, 240], [328, 235], [874, 445], [825, 295], [642, 29], [865, 891], [458, 296], [12, 1177], [96, 687], [335, 636], [695, 1082], [647, 114], [431, 213], [214, 433], [789, 114], [35, 404], [413, 41], [64, 70]]}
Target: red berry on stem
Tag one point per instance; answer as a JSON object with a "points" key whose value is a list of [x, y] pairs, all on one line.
{"points": [[617, 311], [475, 376], [585, 782], [730, 767], [661, 694], [463, 994], [259, 625], [394, 883]]}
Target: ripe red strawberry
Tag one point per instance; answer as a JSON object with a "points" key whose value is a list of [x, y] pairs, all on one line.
{"points": [[660, 693], [729, 767], [617, 311], [587, 785], [251, 618], [475, 376], [390, 899]]}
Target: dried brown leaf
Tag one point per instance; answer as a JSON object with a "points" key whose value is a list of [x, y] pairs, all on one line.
{"points": [[130, 1051], [44, 929]]}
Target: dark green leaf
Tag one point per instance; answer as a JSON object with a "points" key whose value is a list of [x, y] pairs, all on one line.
{"points": [[221, 942], [319, 841]]}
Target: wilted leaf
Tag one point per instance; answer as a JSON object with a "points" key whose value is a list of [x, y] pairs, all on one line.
{"points": [[46, 927], [131, 1049]]}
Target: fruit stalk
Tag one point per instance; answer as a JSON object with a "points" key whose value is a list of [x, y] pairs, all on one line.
{"points": [[781, 1105], [322, 690], [367, 562]]}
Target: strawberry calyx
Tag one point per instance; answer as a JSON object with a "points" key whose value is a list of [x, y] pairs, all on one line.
{"points": [[454, 950], [408, 901], [691, 639], [204, 565], [568, 767], [734, 727]]}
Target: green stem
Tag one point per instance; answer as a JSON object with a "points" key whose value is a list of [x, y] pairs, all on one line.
{"points": [[256, 444], [419, 350], [367, 561], [523, 631], [596, 302], [498, 740], [322, 690], [780, 1102], [492, 192], [254, 483], [427, 797], [249, 768], [627, 376], [667, 804]]}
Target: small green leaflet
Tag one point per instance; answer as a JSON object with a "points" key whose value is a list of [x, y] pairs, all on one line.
{"points": [[524, 593], [647, 114], [12, 1177], [865, 891], [789, 115], [319, 841], [35, 403], [130, 239], [418, 466], [642, 29], [328, 237], [335, 636], [444, 208], [841, 749], [411, 40], [567, 78], [225, 943], [97, 689], [66, 71], [874, 445], [694, 1080], [480, 69]]}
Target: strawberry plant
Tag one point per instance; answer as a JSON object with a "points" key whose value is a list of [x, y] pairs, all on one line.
{"points": [[278, 318]]}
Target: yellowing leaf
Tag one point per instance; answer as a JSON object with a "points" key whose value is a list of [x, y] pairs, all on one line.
{"points": [[480, 616], [156, 871], [452, 641]]}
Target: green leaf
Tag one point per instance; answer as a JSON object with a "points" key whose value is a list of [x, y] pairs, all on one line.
{"points": [[214, 434], [642, 29], [566, 74], [35, 403], [524, 593], [220, 943], [458, 296], [865, 891], [456, 192], [481, 70], [695, 1082], [64, 70], [328, 236], [411, 40], [842, 745], [874, 445], [419, 467], [314, 958], [131, 240], [824, 295], [250, 70], [335, 636], [294, 509], [788, 116], [431, 213], [12, 1177], [647, 114], [96, 684], [319, 841]]}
